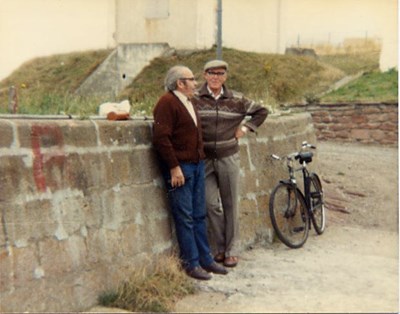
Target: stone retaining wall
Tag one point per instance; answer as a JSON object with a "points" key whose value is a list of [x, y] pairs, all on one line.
{"points": [[82, 204], [372, 123]]}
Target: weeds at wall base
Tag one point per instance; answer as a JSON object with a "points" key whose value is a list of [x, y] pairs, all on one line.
{"points": [[151, 290]]}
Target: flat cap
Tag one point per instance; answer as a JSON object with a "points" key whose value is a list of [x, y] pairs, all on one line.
{"points": [[215, 64]]}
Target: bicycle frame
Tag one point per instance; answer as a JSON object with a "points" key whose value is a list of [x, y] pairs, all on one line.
{"points": [[293, 181]]}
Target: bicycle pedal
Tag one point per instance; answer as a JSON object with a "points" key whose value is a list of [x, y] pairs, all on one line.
{"points": [[298, 229]]}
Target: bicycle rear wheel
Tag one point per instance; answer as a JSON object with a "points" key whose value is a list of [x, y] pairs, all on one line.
{"points": [[318, 217], [289, 215]]}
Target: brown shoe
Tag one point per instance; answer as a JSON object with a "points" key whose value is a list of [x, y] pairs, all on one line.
{"points": [[231, 261], [220, 257], [198, 273], [216, 269]]}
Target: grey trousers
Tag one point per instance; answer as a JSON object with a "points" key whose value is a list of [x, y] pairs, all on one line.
{"points": [[222, 193]]}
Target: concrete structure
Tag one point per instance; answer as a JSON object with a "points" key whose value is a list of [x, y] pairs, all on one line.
{"points": [[82, 204], [120, 68], [183, 24], [32, 28]]}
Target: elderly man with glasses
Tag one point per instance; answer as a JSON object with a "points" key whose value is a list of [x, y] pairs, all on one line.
{"points": [[223, 114], [178, 141]]}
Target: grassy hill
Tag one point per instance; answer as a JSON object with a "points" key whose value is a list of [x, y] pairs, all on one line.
{"points": [[46, 85]]}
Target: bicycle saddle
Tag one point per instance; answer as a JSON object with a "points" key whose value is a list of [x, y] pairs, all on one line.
{"points": [[304, 157]]}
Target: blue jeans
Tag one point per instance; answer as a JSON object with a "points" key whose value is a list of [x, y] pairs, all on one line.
{"points": [[189, 212]]}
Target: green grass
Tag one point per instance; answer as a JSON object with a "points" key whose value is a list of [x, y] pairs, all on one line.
{"points": [[47, 85], [268, 78], [352, 63], [369, 87]]}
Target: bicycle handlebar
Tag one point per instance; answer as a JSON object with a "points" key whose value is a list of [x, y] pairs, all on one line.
{"points": [[306, 145], [295, 154]]}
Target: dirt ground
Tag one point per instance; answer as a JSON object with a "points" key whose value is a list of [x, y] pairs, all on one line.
{"points": [[352, 267]]}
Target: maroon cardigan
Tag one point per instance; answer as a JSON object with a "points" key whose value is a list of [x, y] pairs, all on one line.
{"points": [[175, 135]]}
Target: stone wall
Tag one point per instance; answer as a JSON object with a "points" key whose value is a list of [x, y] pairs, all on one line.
{"points": [[82, 204], [372, 123]]}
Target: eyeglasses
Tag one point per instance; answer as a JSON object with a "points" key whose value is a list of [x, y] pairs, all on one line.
{"points": [[187, 79], [212, 73]]}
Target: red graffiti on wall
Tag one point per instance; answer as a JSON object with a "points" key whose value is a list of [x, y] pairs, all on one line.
{"points": [[50, 137]]}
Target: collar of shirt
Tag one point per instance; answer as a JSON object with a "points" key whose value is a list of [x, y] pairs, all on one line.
{"points": [[187, 103], [212, 94]]}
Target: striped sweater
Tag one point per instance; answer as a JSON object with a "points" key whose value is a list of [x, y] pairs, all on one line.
{"points": [[220, 119]]}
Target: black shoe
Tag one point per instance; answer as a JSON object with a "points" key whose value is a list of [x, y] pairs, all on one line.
{"points": [[216, 269], [219, 258], [198, 273]]}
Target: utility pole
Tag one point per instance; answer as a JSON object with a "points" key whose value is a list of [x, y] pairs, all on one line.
{"points": [[219, 30]]}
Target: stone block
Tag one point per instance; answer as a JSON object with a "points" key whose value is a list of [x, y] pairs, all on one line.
{"points": [[113, 212], [245, 162], [68, 209], [76, 174], [55, 258], [73, 131], [32, 220], [137, 159], [93, 217], [371, 109], [370, 125], [341, 120], [7, 134], [6, 270], [388, 126], [17, 178], [357, 119], [142, 133], [97, 170], [342, 112], [377, 135], [360, 134], [343, 134], [129, 246], [25, 265], [39, 134], [120, 133], [104, 246], [122, 168], [249, 221], [75, 292], [249, 183], [393, 116]]}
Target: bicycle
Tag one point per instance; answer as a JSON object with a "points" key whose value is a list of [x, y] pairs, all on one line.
{"points": [[290, 209]]}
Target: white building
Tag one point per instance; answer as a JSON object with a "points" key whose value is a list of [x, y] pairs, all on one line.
{"points": [[32, 28]]}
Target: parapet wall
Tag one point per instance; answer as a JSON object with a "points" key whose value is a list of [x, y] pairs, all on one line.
{"points": [[82, 204]]}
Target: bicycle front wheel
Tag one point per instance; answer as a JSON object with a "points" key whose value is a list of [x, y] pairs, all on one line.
{"points": [[289, 215], [318, 217]]}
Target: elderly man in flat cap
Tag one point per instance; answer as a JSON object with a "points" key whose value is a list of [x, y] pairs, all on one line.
{"points": [[222, 113]]}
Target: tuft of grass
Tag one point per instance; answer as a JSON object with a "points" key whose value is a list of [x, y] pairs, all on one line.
{"points": [[151, 290]]}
